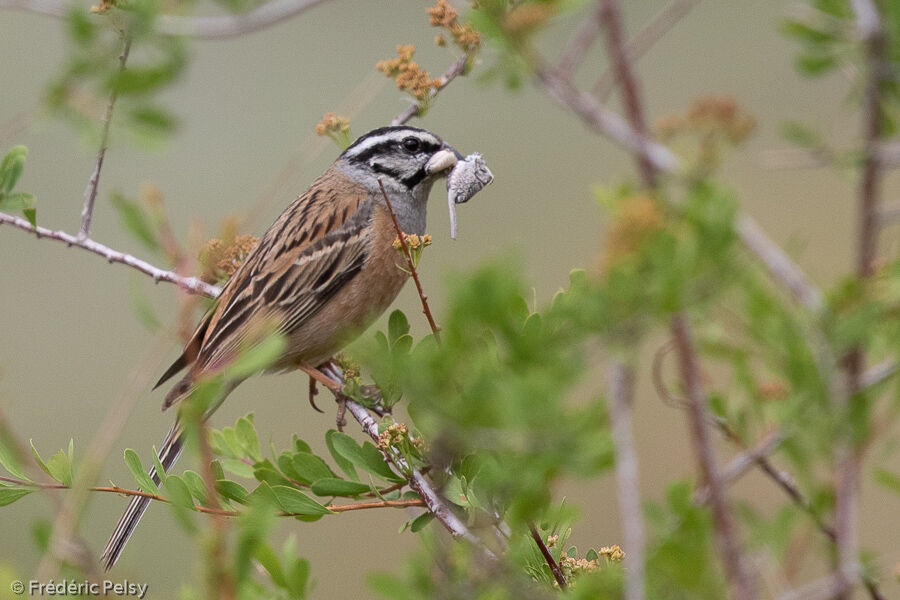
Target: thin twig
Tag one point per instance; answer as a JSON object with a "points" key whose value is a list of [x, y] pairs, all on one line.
{"points": [[412, 267], [581, 43], [189, 284], [726, 535], [551, 562], [619, 401], [644, 40], [780, 267], [90, 192], [214, 27], [113, 489], [449, 75]]}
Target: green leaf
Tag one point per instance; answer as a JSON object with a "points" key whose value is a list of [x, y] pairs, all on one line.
{"points": [[246, 434], [345, 465], [180, 497], [816, 64], [59, 466], [31, 215], [196, 485], [11, 167], [160, 471], [887, 479], [398, 325], [154, 119], [420, 522], [10, 462], [800, 134], [237, 467], [133, 462], [331, 486], [257, 358], [294, 501], [135, 220], [366, 457], [806, 33], [16, 201], [266, 556], [8, 495], [310, 467], [298, 577], [232, 490]]}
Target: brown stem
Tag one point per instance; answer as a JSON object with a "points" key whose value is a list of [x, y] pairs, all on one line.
{"points": [[455, 70], [412, 267], [739, 580], [551, 562]]}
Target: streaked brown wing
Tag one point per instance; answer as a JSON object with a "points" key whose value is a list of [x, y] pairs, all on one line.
{"points": [[294, 294], [324, 208]]}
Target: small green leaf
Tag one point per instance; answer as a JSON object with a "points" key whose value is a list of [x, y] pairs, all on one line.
{"points": [[59, 466], [11, 167], [267, 557], [310, 467], [8, 495], [160, 471], [133, 462], [816, 64], [135, 220], [246, 433], [331, 486], [237, 467], [196, 485], [366, 456], [398, 325], [294, 501], [16, 201], [345, 465], [232, 490], [10, 462], [420, 522], [31, 215], [298, 577], [180, 498], [887, 479]]}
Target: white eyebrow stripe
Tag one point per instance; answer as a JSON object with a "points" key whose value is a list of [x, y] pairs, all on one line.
{"points": [[390, 136]]}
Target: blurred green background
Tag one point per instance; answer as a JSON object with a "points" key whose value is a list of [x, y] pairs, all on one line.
{"points": [[70, 343]]}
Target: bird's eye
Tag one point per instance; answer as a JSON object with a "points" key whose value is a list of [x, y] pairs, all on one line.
{"points": [[411, 144]]}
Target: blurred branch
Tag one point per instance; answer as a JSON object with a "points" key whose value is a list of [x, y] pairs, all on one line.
{"points": [[189, 284], [580, 44], [732, 554], [214, 27], [780, 267], [455, 70], [619, 401], [643, 41], [90, 192]]}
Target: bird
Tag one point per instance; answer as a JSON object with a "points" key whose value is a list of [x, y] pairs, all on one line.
{"points": [[321, 273]]}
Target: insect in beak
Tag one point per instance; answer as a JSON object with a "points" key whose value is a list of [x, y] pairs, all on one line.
{"points": [[443, 159]]}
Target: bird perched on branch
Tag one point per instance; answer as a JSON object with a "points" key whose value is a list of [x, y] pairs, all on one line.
{"points": [[322, 272]]}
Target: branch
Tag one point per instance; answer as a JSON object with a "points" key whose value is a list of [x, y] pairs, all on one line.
{"points": [[189, 284], [551, 562], [581, 43], [90, 192], [114, 489], [216, 27], [726, 535], [643, 41], [449, 75], [619, 401], [412, 267], [780, 267]]}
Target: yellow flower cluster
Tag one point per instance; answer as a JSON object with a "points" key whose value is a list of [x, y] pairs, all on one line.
{"points": [[445, 16], [407, 73], [397, 435], [335, 127]]}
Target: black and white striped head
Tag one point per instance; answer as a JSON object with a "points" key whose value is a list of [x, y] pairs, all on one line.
{"points": [[404, 158]]}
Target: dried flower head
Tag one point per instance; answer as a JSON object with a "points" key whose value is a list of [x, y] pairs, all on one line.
{"points": [[220, 259], [525, 18], [335, 127], [407, 74], [636, 219], [613, 553], [445, 16]]}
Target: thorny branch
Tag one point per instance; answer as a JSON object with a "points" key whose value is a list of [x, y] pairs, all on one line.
{"points": [[189, 284]]}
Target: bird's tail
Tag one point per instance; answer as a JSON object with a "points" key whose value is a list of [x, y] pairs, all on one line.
{"points": [[168, 454]]}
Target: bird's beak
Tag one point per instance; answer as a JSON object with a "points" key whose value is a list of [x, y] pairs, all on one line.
{"points": [[442, 160]]}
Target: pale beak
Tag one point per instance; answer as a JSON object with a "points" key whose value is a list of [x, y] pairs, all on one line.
{"points": [[442, 160]]}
